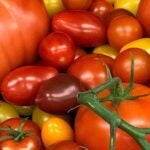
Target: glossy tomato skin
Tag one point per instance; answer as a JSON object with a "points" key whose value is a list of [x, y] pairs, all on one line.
{"points": [[18, 35], [101, 8], [86, 29], [126, 29], [57, 49], [65, 145], [20, 86], [59, 94], [31, 142], [77, 4], [122, 65], [143, 15], [90, 69], [135, 112]]}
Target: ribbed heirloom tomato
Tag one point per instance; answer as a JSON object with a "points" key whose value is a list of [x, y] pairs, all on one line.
{"points": [[136, 112]]}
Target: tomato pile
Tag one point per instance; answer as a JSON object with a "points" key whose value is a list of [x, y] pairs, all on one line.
{"points": [[52, 51]]}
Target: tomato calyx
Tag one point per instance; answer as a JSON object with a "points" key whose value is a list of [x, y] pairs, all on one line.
{"points": [[16, 135], [92, 100]]}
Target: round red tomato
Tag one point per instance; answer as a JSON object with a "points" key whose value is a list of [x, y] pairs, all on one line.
{"points": [[90, 69], [20, 86], [77, 4], [58, 50], [122, 30], [86, 29], [122, 65], [28, 138], [135, 112]]}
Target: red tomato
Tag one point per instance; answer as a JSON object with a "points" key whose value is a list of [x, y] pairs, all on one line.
{"points": [[23, 25], [123, 30], [57, 49], [77, 4], [136, 112], [101, 8], [66, 145], [122, 65], [85, 28], [143, 14], [80, 52], [90, 69], [20, 86], [32, 141]]}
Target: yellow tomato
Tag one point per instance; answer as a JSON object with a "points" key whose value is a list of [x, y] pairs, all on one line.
{"points": [[39, 117], [111, 1], [106, 50], [143, 43], [53, 6], [55, 130], [130, 5]]}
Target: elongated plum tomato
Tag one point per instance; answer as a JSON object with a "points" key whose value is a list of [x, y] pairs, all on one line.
{"points": [[20, 86], [57, 49], [23, 24], [59, 94], [122, 65], [86, 29], [126, 29]]}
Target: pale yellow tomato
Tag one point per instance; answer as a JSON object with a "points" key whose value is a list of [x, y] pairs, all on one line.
{"points": [[143, 43], [40, 117], [106, 50], [53, 6], [130, 5], [55, 130], [7, 111]]}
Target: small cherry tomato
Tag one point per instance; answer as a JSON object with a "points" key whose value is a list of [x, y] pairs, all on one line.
{"points": [[57, 49], [7, 111], [40, 117], [77, 4], [123, 30], [55, 130], [122, 65]]}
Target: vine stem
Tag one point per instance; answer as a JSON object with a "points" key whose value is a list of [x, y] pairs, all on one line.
{"points": [[91, 100]]}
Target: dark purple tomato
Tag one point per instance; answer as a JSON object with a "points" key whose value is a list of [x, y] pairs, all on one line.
{"points": [[59, 94]]}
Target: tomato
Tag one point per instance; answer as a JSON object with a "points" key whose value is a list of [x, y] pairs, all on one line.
{"points": [[106, 50], [142, 15], [55, 130], [131, 6], [26, 80], [59, 94], [117, 13], [53, 6], [24, 111], [90, 69], [101, 8], [7, 111], [40, 117], [122, 65], [126, 29], [86, 29], [57, 49], [77, 4], [31, 141], [79, 52], [136, 112], [23, 25], [66, 145], [142, 43]]}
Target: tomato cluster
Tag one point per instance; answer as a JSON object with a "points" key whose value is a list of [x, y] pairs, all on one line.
{"points": [[71, 50]]}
